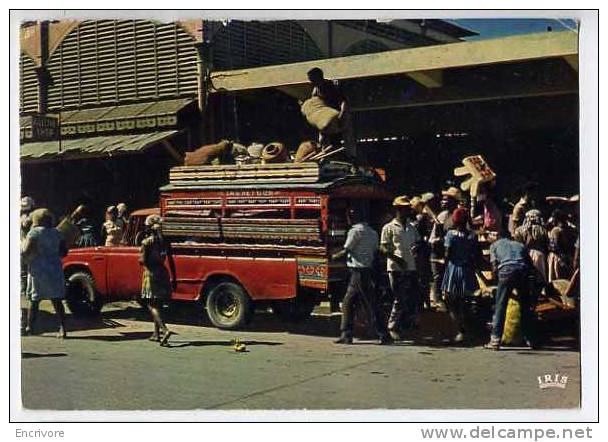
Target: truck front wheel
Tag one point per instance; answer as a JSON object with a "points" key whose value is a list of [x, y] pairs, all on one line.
{"points": [[81, 295], [228, 306]]}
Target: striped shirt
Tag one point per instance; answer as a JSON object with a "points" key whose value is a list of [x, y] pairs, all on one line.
{"points": [[361, 246]]}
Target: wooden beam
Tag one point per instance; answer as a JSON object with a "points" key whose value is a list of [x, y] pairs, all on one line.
{"points": [[301, 92], [404, 61], [572, 60], [429, 79], [460, 100]]}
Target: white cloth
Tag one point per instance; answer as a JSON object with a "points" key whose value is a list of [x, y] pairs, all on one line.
{"points": [[398, 240], [361, 246]]}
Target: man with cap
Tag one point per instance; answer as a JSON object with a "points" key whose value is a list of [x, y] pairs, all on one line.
{"points": [[360, 249], [449, 203], [398, 243]]}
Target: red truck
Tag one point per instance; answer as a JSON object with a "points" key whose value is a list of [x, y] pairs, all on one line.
{"points": [[242, 236]]}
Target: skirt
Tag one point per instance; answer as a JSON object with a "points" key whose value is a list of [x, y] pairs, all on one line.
{"points": [[459, 280], [156, 284], [539, 261]]}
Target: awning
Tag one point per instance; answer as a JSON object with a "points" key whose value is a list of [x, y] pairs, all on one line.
{"points": [[91, 147], [109, 120]]}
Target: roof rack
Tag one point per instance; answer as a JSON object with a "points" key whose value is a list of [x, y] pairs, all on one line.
{"points": [[184, 177]]}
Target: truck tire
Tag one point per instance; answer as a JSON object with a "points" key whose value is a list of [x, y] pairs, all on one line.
{"points": [[228, 306], [82, 296]]}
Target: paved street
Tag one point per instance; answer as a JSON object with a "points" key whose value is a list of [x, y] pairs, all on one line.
{"points": [[109, 364]]}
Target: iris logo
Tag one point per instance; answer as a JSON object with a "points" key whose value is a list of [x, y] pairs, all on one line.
{"points": [[555, 380]]}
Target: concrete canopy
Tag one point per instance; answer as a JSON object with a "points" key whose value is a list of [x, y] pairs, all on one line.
{"points": [[424, 65]]}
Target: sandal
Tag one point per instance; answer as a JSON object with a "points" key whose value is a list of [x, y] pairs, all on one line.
{"points": [[164, 341], [493, 344]]}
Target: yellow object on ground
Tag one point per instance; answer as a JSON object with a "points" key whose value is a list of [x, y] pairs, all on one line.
{"points": [[239, 346], [511, 334]]}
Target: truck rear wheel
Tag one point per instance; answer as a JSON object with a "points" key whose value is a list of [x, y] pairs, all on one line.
{"points": [[81, 295], [228, 306]]}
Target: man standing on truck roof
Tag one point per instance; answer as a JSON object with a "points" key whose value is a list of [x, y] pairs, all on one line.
{"points": [[398, 243], [360, 249], [332, 96]]}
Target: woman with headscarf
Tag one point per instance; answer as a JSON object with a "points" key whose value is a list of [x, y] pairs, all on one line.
{"points": [[533, 235], [459, 281], [157, 285], [42, 249], [561, 242]]}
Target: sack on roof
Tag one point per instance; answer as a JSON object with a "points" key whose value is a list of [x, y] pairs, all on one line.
{"points": [[206, 154], [321, 116]]}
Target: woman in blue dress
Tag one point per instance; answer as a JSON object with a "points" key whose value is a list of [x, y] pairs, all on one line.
{"points": [[42, 250], [459, 281]]}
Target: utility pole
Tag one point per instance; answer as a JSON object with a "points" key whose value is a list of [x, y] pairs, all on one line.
{"points": [[205, 57]]}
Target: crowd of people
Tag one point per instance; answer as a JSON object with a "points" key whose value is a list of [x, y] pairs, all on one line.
{"points": [[436, 261], [432, 261], [43, 246]]}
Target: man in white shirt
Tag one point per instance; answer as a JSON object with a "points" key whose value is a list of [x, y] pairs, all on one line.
{"points": [[398, 243], [360, 249]]}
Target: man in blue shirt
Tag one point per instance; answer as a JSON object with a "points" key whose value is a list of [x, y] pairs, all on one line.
{"points": [[360, 249], [511, 264]]}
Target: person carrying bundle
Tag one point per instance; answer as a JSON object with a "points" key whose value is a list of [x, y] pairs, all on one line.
{"points": [[325, 97]]}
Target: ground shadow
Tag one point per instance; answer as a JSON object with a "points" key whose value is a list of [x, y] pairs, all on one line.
{"points": [[182, 344], [126, 336], [46, 322], [29, 355]]}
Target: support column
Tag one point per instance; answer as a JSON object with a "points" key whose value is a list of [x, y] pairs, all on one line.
{"points": [[44, 78], [205, 57]]}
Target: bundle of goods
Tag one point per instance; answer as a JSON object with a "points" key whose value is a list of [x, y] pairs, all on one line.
{"points": [[479, 172], [321, 116], [275, 153], [68, 228], [306, 150], [244, 174], [221, 151]]}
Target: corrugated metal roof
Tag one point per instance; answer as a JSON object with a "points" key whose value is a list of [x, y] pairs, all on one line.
{"points": [[163, 107], [91, 147]]}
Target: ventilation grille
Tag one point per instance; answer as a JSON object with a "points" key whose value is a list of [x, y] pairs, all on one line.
{"points": [[111, 61], [28, 85], [242, 44]]}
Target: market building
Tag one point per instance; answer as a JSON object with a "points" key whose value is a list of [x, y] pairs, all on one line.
{"points": [[129, 97]]}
